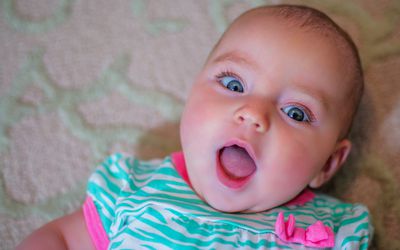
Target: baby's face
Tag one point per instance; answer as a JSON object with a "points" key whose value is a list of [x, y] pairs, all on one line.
{"points": [[264, 116]]}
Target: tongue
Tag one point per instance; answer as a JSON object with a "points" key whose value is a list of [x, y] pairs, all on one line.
{"points": [[237, 162]]}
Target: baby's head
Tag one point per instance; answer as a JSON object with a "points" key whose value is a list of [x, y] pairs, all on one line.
{"points": [[269, 113]]}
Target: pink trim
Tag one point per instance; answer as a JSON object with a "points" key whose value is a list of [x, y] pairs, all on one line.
{"points": [[94, 225], [317, 235], [305, 196], [178, 160]]}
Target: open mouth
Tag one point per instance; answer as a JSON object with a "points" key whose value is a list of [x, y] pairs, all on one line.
{"points": [[235, 166]]}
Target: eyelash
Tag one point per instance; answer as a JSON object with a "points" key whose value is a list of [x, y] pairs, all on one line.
{"points": [[229, 73], [307, 111]]}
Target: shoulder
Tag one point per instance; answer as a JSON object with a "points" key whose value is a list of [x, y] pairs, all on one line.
{"points": [[117, 176], [120, 171], [351, 221], [121, 166], [114, 169], [338, 209]]}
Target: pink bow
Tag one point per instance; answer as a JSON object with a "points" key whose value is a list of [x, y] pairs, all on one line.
{"points": [[316, 235]]}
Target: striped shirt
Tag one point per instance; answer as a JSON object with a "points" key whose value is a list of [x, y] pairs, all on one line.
{"points": [[133, 204]]}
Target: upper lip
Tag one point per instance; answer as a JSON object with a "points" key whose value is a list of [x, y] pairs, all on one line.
{"points": [[243, 144]]}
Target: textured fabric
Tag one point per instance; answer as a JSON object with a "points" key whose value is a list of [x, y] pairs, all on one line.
{"points": [[80, 79], [147, 205]]}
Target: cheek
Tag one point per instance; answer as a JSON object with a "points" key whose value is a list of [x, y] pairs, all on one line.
{"points": [[202, 116], [191, 121], [196, 124], [301, 156]]}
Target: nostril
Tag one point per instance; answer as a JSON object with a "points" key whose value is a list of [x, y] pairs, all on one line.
{"points": [[239, 118], [260, 127], [252, 119]]}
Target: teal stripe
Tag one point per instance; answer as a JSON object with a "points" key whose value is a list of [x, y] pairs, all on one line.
{"points": [[171, 198], [140, 179], [196, 228], [166, 185], [148, 247], [262, 244], [361, 227], [355, 219], [306, 213], [320, 202], [122, 173], [167, 170], [364, 246], [213, 234], [166, 233], [354, 238], [95, 190], [158, 239], [115, 245], [140, 169], [157, 215], [111, 187], [229, 219]]}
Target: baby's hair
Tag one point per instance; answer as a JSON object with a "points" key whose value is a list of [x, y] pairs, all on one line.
{"points": [[313, 20]]}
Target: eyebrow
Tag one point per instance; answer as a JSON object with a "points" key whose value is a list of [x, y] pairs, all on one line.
{"points": [[238, 58], [317, 95]]}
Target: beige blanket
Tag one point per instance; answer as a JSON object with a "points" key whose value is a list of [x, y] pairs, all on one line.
{"points": [[80, 79]]}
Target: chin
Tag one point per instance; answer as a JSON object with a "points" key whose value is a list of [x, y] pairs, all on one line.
{"points": [[230, 209], [219, 205], [226, 207]]}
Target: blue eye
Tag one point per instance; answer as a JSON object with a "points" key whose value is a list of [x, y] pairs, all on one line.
{"points": [[232, 83], [296, 113]]}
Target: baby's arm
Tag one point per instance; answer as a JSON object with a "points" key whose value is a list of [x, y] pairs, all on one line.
{"points": [[68, 232]]}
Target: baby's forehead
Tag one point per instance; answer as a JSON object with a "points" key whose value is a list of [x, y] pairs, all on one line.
{"points": [[308, 20], [271, 27]]}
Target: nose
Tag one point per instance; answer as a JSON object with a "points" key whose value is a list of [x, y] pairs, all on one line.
{"points": [[252, 117]]}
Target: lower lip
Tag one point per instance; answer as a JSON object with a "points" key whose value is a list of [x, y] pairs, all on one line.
{"points": [[229, 181]]}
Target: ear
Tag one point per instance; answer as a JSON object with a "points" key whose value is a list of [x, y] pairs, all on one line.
{"points": [[333, 164]]}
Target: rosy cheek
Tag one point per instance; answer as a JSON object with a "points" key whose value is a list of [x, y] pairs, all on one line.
{"points": [[190, 121], [193, 124], [296, 163]]}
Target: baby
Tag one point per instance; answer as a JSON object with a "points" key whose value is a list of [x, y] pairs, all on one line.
{"points": [[266, 120]]}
